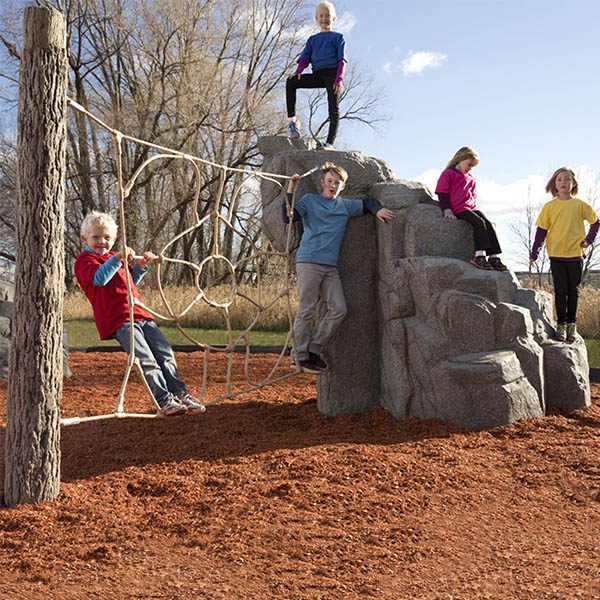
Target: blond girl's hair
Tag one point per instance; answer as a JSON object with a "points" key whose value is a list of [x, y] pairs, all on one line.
{"points": [[551, 185], [329, 6], [339, 171], [98, 219], [462, 154]]}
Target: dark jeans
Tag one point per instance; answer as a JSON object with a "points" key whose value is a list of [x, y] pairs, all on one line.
{"points": [[155, 356], [484, 234], [566, 275], [323, 78]]}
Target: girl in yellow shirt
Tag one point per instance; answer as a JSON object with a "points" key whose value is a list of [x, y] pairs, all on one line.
{"points": [[561, 224]]}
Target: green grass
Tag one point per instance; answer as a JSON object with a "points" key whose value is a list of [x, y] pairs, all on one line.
{"points": [[593, 348], [83, 334]]}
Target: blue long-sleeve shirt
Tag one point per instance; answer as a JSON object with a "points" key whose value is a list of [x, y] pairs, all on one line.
{"points": [[108, 270], [324, 221], [324, 50]]}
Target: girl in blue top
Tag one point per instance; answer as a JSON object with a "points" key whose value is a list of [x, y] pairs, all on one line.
{"points": [[325, 51]]}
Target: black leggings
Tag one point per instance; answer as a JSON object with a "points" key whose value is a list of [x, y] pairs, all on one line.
{"points": [[484, 234], [566, 275], [324, 78]]}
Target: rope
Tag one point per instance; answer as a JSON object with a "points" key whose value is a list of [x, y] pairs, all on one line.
{"points": [[219, 221]]}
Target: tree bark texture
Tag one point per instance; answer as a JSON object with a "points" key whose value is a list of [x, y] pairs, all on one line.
{"points": [[32, 470]]}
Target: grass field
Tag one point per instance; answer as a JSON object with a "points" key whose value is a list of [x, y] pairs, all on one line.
{"points": [[205, 324], [83, 334], [593, 348]]}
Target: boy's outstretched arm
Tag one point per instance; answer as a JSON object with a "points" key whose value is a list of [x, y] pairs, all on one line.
{"points": [[292, 185], [148, 257], [139, 267], [374, 206], [105, 272], [385, 215]]}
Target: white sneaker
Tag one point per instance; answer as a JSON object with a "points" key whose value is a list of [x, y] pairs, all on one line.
{"points": [[192, 405]]}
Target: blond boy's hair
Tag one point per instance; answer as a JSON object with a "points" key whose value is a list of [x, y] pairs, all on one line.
{"points": [[339, 171], [98, 219], [461, 154], [329, 6], [551, 185]]}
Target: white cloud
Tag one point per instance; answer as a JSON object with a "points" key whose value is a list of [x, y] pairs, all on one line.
{"points": [[387, 66], [345, 23], [417, 62]]}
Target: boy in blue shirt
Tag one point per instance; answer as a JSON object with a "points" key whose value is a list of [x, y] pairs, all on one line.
{"points": [[324, 217]]}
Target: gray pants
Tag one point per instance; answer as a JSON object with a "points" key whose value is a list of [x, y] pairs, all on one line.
{"points": [[314, 282]]}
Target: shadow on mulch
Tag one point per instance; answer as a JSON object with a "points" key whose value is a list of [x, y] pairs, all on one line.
{"points": [[226, 431]]}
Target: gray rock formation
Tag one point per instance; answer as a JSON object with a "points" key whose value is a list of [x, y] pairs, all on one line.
{"points": [[7, 294], [427, 334], [6, 312]]}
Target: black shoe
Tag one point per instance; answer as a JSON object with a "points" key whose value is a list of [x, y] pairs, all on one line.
{"points": [[308, 366], [317, 361], [481, 263], [497, 264]]}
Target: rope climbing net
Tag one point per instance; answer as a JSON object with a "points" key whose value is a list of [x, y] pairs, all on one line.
{"points": [[220, 216]]}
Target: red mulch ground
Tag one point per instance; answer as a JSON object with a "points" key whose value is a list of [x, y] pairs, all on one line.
{"points": [[264, 497]]}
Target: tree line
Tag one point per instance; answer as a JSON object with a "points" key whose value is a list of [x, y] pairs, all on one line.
{"points": [[204, 77]]}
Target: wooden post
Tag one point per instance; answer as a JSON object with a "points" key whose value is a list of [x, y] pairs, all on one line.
{"points": [[32, 470]]}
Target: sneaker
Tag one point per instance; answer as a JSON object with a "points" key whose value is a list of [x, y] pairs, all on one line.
{"points": [[317, 361], [308, 366], [560, 335], [192, 405], [294, 130], [497, 264], [324, 146], [171, 406], [571, 332], [481, 263]]}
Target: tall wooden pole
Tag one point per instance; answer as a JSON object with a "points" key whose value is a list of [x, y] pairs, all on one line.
{"points": [[32, 472]]}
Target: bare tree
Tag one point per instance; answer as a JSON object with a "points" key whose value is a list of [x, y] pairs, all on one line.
{"points": [[360, 102], [589, 191], [523, 229], [204, 77], [32, 453]]}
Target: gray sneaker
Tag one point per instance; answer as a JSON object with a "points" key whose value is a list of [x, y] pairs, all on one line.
{"points": [[191, 404], [171, 406]]}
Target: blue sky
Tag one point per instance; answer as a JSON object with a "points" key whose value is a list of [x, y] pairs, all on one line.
{"points": [[515, 79]]}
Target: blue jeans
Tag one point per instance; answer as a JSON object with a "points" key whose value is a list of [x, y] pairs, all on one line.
{"points": [[155, 356]]}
